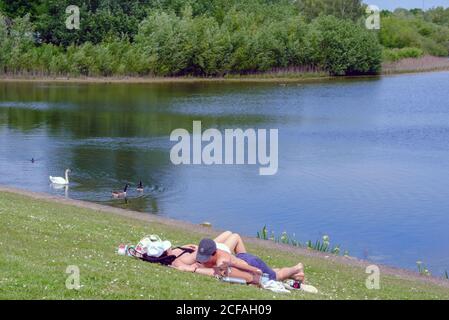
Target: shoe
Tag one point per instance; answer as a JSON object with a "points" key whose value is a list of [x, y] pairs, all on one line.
{"points": [[293, 284], [298, 285], [308, 288]]}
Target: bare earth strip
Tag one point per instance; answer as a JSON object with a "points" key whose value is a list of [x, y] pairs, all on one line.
{"points": [[162, 80], [410, 65]]}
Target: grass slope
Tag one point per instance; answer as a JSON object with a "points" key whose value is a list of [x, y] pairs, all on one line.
{"points": [[39, 239]]}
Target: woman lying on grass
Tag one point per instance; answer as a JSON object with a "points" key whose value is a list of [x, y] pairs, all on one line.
{"points": [[184, 257]]}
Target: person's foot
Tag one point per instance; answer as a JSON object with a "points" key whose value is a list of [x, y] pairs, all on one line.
{"points": [[299, 276]]}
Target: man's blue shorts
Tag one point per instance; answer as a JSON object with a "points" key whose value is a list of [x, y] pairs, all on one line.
{"points": [[256, 262]]}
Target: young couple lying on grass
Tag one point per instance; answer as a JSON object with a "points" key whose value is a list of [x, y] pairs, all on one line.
{"points": [[226, 255]]}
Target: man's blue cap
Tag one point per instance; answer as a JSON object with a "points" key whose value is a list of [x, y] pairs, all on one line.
{"points": [[206, 250]]}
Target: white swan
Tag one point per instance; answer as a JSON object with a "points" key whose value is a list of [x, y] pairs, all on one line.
{"points": [[60, 180]]}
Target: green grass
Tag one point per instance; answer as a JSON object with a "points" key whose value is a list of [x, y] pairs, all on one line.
{"points": [[39, 239]]}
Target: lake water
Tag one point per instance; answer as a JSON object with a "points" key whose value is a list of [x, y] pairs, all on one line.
{"points": [[363, 161]]}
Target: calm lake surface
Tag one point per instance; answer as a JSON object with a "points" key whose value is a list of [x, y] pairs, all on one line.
{"points": [[365, 162]]}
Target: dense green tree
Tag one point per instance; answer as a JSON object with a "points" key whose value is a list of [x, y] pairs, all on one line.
{"points": [[404, 30], [344, 48], [166, 41], [4, 44], [19, 8], [438, 15], [344, 9], [16, 41], [210, 37], [211, 47], [99, 19]]}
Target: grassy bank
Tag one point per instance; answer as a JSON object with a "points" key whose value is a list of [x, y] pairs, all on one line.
{"points": [[40, 238]]}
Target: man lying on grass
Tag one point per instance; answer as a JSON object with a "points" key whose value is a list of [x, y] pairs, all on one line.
{"points": [[224, 256], [209, 257]]}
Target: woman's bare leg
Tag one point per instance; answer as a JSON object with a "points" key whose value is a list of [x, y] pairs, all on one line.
{"points": [[223, 237], [235, 243]]}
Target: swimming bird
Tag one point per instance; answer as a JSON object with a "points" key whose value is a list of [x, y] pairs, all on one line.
{"points": [[140, 187], [60, 180], [120, 194]]}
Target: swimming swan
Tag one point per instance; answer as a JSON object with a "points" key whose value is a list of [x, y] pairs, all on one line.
{"points": [[60, 180]]}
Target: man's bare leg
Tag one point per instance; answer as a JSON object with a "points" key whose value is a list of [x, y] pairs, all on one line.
{"points": [[295, 273]]}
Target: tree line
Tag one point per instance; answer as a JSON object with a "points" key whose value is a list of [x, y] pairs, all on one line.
{"points": [[413, 33], [207, 37]]}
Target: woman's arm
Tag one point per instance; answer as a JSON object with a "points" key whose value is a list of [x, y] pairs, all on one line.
{"points": [[184, 267], [181, 266], [195, 268], [205, 271]]}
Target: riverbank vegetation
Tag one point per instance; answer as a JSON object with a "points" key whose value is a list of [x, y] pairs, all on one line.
{"points": [[322, 245], [59, 235], [206, 38], [423, 64]]}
